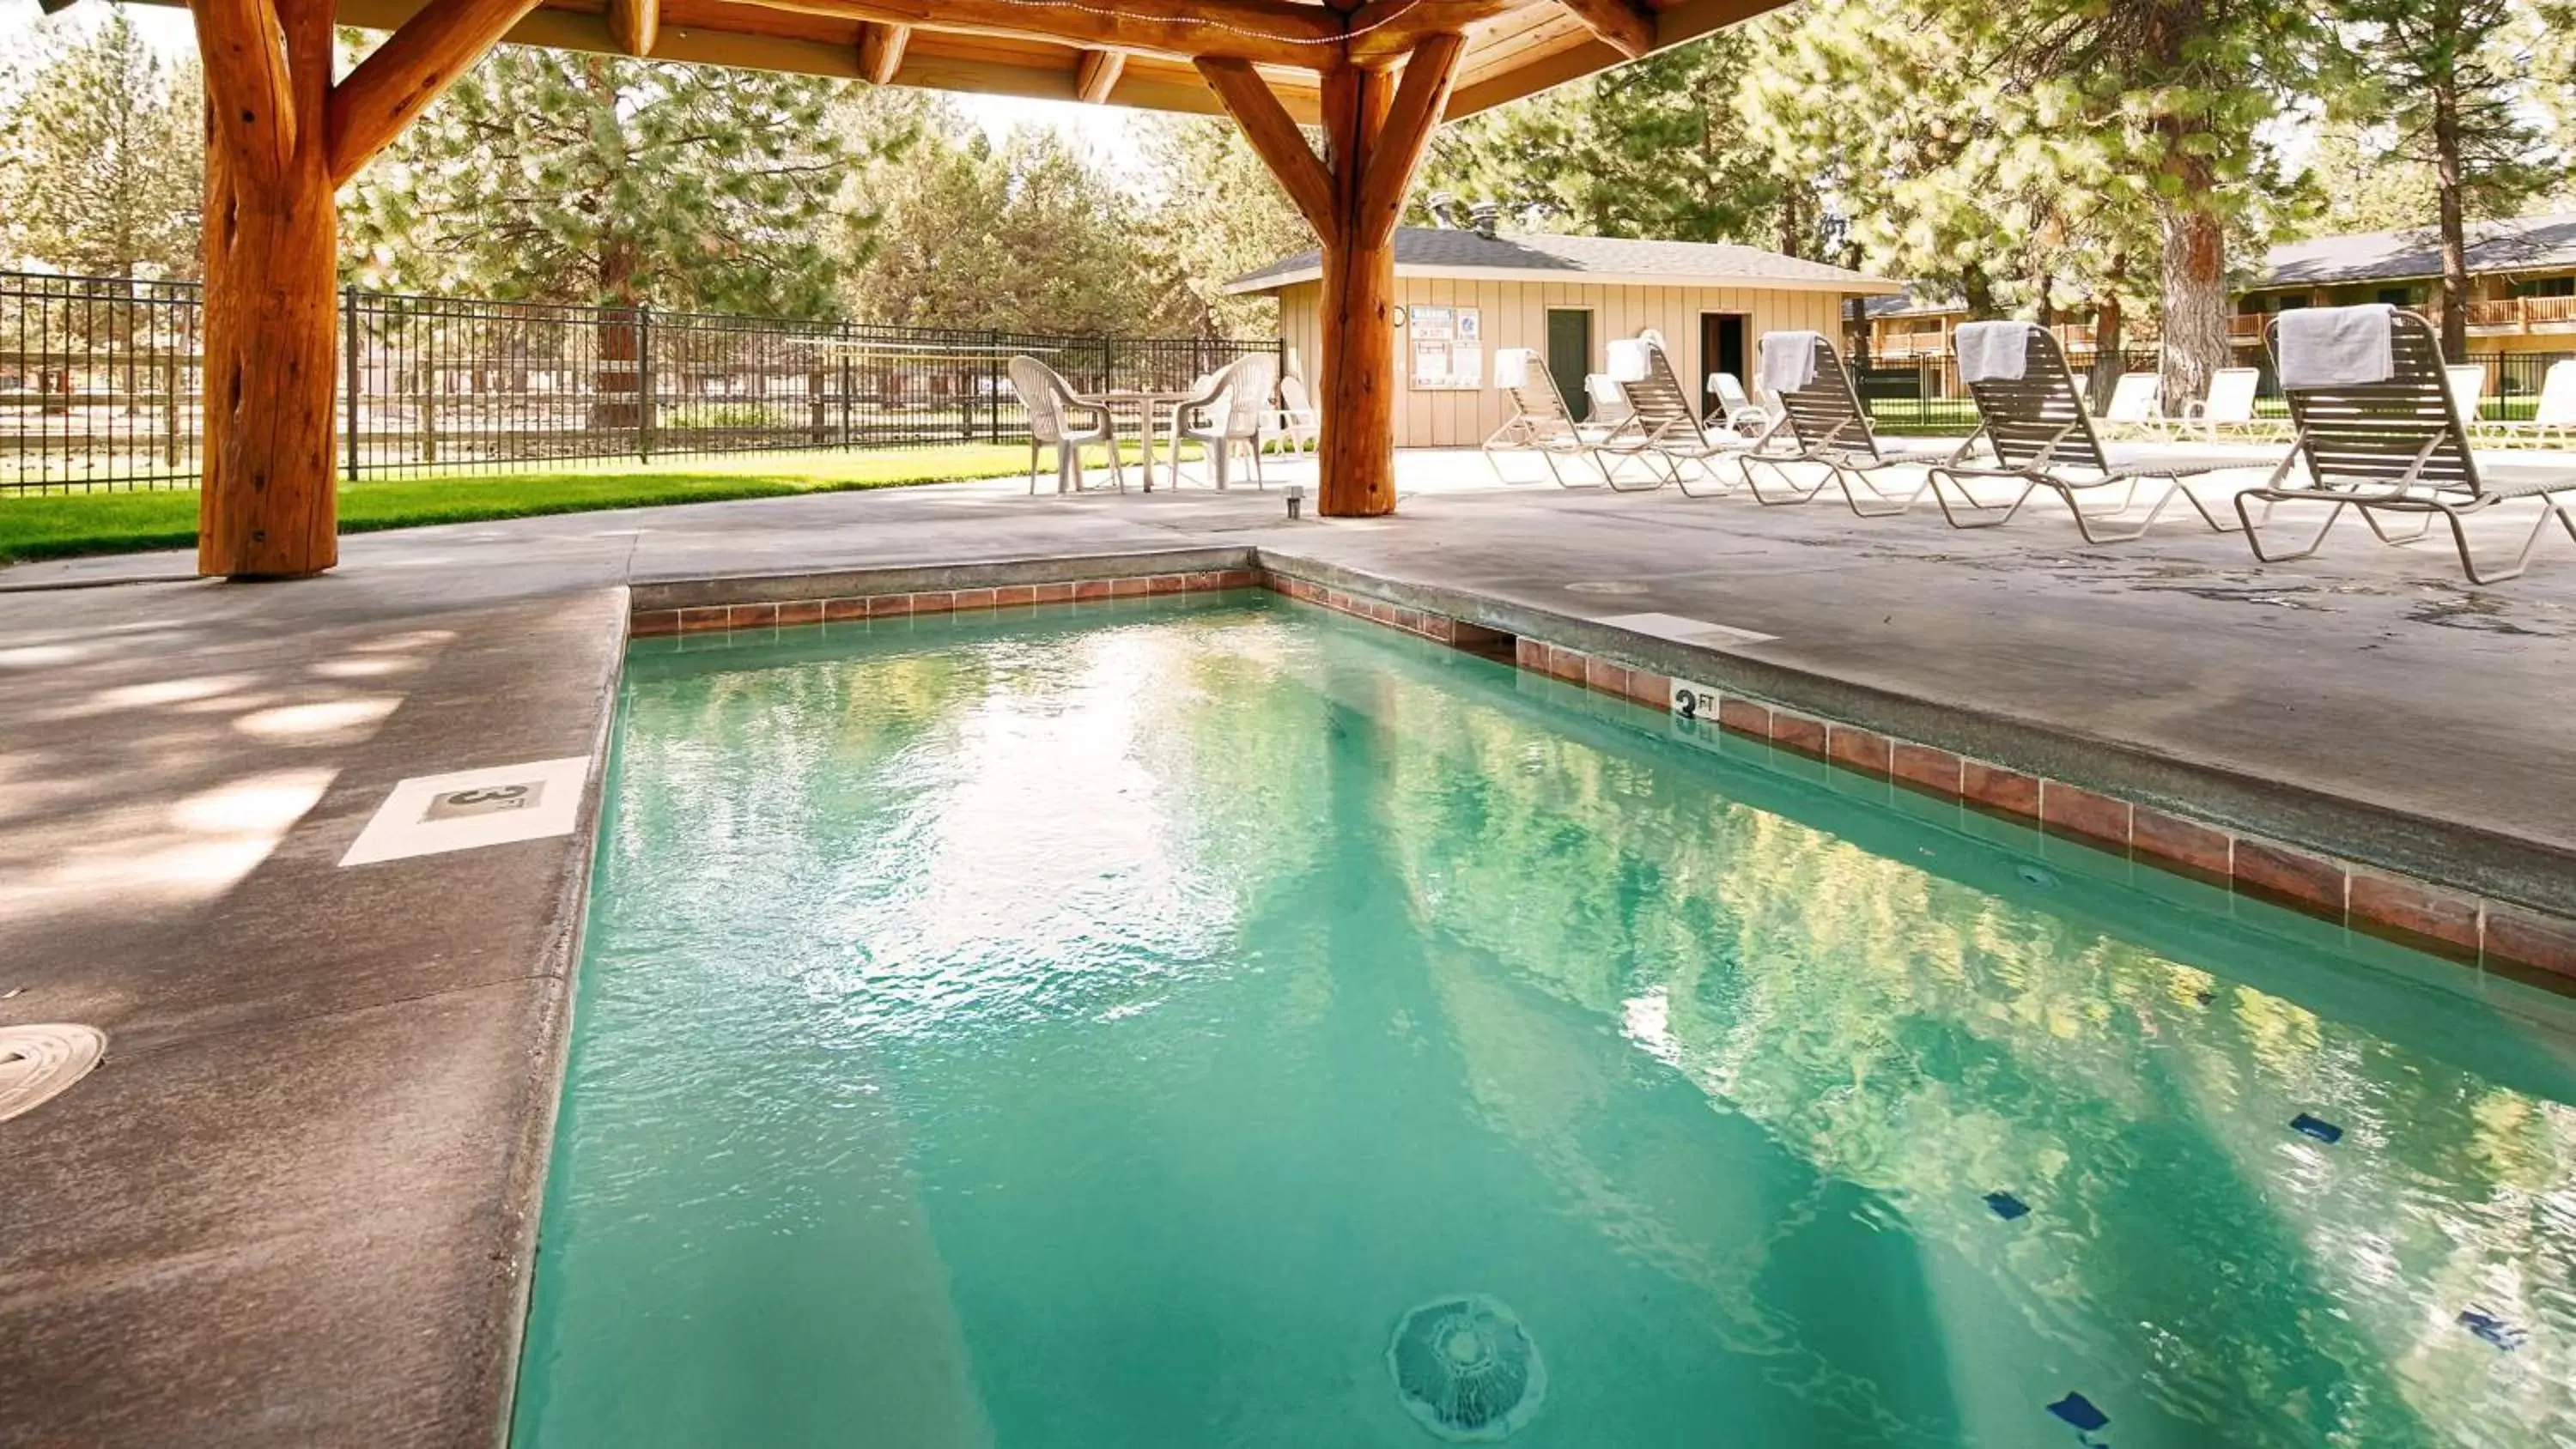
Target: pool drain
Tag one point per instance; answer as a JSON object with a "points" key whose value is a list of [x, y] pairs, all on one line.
{"points": [[1465, 1370], [39, 1063]]}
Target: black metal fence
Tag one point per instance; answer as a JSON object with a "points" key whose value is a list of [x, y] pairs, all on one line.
{"points": [[100, 382]]}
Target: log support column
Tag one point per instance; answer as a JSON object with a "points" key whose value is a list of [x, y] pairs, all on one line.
{"points": [[1377, 124], [280, 140]]}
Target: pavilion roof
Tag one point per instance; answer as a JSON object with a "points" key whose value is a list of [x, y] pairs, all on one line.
{"points": [[1134, 53]]}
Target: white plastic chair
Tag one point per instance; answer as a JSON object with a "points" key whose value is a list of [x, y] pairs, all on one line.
{"points": [[1051, 406], [1735, 410], [1609, 401], [1225, 415], [2468, 389], [2556, 412], [2230, 404], [1295, 420], [2138, 405]]}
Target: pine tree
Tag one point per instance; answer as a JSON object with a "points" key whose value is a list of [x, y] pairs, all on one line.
{"points": [[2450, 79], [106, 170], [555, 176], [1219, 214], [2174, 97], [1660, 148], [1021, 236]]}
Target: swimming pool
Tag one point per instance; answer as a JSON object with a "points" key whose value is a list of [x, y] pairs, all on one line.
{"points": [[1106, 1028]]}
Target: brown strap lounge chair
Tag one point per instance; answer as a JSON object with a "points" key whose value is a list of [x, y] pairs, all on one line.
{"points": [[2043, 439], [1663, 429], [2395, 445], [1828, 429], [1541, 422]]}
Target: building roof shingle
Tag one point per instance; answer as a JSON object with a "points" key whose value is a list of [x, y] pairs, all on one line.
{"points": [[1437, 251], [2522, 244]]}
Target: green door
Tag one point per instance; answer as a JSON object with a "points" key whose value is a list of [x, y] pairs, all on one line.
{"points": [[1569, 356]]}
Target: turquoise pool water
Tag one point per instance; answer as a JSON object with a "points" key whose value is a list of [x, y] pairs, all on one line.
{"points": [[1104, 1029]]}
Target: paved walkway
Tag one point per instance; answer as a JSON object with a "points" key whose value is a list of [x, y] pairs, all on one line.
{"points": [[288, 1209]]}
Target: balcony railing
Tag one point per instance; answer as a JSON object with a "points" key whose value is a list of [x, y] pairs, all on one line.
{"points": [[2079, 339]]}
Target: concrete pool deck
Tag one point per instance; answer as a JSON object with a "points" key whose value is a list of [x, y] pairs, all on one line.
{"points": [[294, 1204]]}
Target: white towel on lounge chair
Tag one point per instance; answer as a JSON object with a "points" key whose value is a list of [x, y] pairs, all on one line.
{"points": [[1511, 367], [1629, 361], [1787, 362], [1993, 351], [2336, 346]]}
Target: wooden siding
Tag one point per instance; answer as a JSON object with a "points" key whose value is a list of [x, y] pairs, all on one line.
{"points": [[1515, 315]]}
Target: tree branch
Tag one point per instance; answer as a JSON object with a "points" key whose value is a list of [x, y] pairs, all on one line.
{"points": [[372, 104]]}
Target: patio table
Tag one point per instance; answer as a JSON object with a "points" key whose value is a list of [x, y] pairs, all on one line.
{"points": [[1145, 403]]}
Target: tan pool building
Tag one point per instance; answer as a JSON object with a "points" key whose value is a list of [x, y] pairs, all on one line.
{"points": [[1463, 295]]}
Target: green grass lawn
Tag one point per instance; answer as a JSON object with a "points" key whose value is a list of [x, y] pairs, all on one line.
{"points": [[57, 525]]}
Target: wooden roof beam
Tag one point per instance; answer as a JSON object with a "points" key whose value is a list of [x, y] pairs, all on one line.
{"points": [[635, 25], [1405, 136], [1276, 140], [253, 102], [1623, 25], [881, 50], [1384, 32], [1266, 32], [415, 66], [1097, 75]]}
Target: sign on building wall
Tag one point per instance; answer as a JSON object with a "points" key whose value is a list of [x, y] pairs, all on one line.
{"points": [[1448, 348]]}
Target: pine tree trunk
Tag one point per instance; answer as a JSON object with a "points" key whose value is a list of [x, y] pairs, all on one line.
{"points": [[2107, 362], [1979, 290], [615, 402], [2195, 291], [2455, 243]]}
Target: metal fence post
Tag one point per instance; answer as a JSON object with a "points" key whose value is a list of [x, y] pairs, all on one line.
{"points": [[993, 388], [349, 349], [849, 381], [644, 382]]}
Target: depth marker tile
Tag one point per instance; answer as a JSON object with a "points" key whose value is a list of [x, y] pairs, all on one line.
{"points": [[433, 814]]}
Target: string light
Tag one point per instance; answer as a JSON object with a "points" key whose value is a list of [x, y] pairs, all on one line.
{"points": [[1212, 23]]}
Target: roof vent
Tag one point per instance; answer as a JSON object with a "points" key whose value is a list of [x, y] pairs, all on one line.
{"points": [[1443, 208], [1484, 215]]}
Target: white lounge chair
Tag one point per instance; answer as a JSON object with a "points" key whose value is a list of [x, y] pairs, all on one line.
{"points": [[2138, 407], [2468, 381], [1610, 410], [2230, 405], [1540, 423], [1052, 409], [2553, 417], [1735, 411], [1294, 422]]}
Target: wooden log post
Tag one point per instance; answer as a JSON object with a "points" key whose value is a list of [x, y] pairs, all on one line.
{"points": [[280, 140], [268, 508], [1376, 129]]}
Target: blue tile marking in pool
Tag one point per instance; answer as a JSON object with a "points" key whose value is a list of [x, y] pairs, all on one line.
{"points": [[2494, 1330], [2007, 1206], [2316, 1127], [2079, 1411]]}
